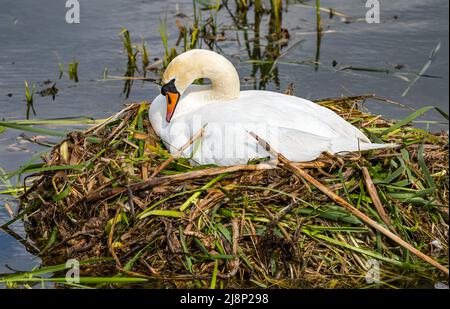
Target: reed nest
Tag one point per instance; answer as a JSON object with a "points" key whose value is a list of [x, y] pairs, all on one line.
{"points": [[115, 192]]}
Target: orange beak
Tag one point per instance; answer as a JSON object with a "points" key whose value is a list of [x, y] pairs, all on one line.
{"points": [[172, 101]]}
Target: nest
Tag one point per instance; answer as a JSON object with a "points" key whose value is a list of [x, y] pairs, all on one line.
{"points": [[116, 193]]}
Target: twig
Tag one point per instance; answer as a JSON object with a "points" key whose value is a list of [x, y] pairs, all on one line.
{"points": [[234, 263], [424, 69], [9, 210], [164, 180], [130, 202], [275, 63], [286, 164], [118, 128], [112, 118], [394, 103], [283, 212], [370, 121], [35, 140], [110, 238], [148, 79], [376, 199], [29, 246], [179, 152]]}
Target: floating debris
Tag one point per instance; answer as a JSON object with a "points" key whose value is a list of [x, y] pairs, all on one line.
{"points": [[48, 90]]}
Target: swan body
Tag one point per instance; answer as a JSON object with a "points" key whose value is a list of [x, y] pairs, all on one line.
{"points": [[299, 129]]}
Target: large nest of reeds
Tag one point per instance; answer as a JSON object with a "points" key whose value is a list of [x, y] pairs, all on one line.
{"points": [[256, 225]]}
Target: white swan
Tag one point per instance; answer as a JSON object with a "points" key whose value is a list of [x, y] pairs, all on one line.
{"points": [[299, 129]]}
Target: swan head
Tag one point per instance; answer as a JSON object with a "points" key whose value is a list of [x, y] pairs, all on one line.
{"points": [[170, 91], [194, 64]]}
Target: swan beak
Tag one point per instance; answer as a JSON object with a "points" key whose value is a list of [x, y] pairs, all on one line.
{"points": [[172, 101]]}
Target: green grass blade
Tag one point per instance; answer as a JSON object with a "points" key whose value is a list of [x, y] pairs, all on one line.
{"points": [[424, 169], [27, 128], [163, 213], [214, 276], [407, 120], [83, 280], [440, 111], [49, 269], [194, 196]]}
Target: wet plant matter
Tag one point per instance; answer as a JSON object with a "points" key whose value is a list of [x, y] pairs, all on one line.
{"points": [[113, 191]]}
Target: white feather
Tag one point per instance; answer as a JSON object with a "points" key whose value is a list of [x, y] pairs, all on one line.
{"points": [[299, 129]]}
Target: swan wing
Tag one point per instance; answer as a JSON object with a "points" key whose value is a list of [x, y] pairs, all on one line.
{"points": [[265, 107], [296, 145]]}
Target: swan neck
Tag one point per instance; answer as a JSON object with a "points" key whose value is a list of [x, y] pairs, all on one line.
{"points": [[198, 63], [225, 83]]}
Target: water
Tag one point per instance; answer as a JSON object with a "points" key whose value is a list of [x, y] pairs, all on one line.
{"points": [[35, 38]]}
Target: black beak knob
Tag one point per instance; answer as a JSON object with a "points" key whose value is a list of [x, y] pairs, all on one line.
{"points": [[169, 87]]}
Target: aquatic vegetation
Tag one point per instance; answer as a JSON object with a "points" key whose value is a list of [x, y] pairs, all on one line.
{"points": [[192, 34], [424, 68], [129, 48], [164, 37], [29, 94], [254, 225], [132, 53], [73, 71], [242, 4], [276, 11], [319, 34], [145, 57], [264, 50], [61, 70]]}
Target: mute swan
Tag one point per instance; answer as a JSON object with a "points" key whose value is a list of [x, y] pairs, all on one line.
{"points": [[299, 129]]}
